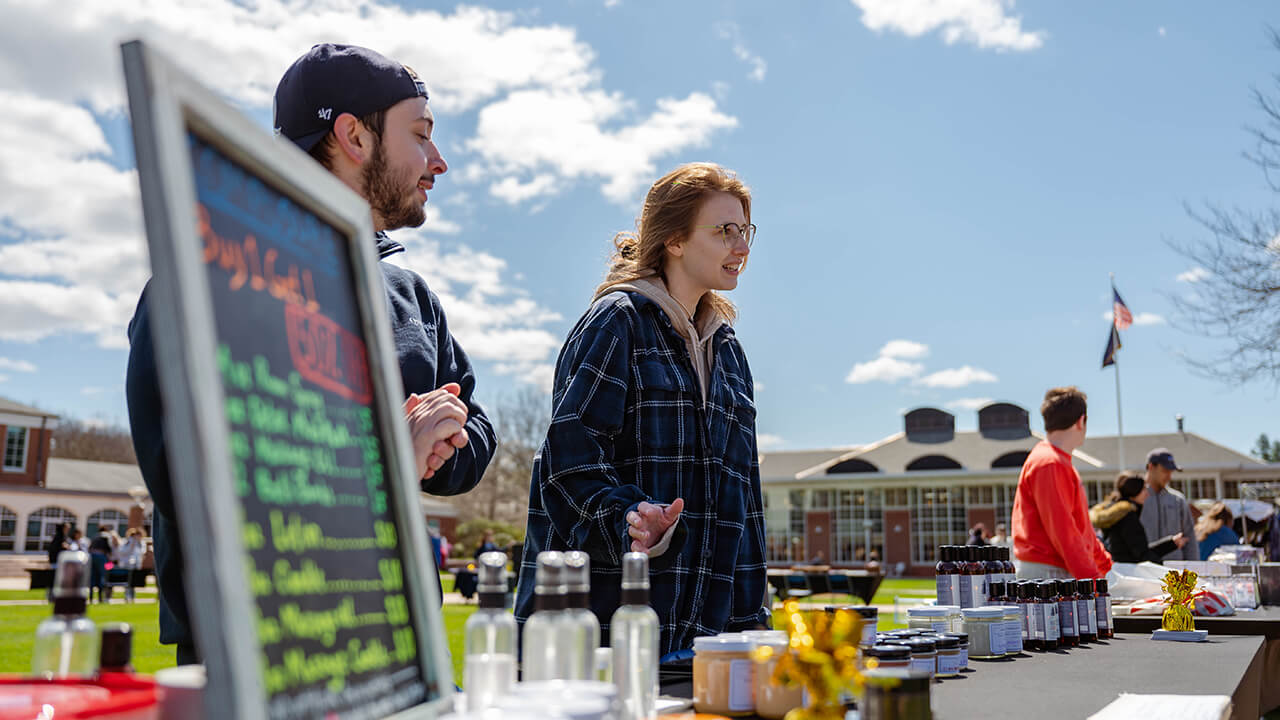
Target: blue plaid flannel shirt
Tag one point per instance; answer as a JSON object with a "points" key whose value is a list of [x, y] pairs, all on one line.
{"points": [[628, 426]]}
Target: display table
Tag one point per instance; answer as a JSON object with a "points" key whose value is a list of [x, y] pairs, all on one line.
{"points": [[1078, 682]]}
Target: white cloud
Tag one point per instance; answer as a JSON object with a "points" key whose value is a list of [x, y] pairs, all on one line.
{"points": [[1194, 275], [16, 365], [71, 251], [883, 369], [1161, 30], [1142, 318], [577, 140], [984, 23], [765, 441], [957, 377], [1273, 246], [904, 349], [730, 31], [493, 320], [969, 403]]}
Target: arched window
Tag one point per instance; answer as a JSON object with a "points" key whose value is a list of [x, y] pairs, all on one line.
{"points": [[42, 523], [933, 462], [1003, 421], [109, 519], [1010, 459], [8, 528], [853, 465], [929, 425]]}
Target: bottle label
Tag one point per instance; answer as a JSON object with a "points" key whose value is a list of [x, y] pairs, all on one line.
{"points": [[966, 591], [1086, 611], [741, 680], [1052, 630], [927, 664], [1067, 618], [995, 637], [1025, 609], [946, 589], [948, 662], [1103, 612], [979, 592], [1035, 622]]}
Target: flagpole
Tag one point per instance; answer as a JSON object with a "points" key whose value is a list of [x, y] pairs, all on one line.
{"points": [[1116, 363]]}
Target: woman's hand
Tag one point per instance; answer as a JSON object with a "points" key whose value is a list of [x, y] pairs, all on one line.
{"points": [[1179, 540], [649, 522]]}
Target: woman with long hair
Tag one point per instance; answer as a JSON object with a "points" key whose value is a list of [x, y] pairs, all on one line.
{"points": [[652, 442], [1214, 529], [1119, 518]]}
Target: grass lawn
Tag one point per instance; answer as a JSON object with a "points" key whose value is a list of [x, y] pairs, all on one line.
{"points": [[18, 624]]}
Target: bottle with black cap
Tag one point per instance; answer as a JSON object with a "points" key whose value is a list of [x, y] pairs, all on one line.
{"points": [[633, 635], [582, 625], [489, 637], [117, 648], [67, 644], [545, 636]]}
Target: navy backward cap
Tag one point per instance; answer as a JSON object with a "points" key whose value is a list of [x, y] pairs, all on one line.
{"points": [[333, 79]]}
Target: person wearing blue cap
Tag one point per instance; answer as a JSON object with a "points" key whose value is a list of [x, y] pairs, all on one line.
{"points": [[1166, 512], [364, 118]]}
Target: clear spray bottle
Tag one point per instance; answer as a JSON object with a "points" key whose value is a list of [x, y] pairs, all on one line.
{"points": [[633, 634], [545, 637], [582, 624], [490, 637], [67, 644]]}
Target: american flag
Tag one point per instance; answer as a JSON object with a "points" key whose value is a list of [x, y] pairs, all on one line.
{"points": [[1123, 318]]}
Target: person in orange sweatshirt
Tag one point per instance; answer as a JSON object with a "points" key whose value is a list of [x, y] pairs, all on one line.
{"points": [[1052, 535]]}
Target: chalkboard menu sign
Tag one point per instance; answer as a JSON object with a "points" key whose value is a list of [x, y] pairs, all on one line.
{"points": [[307, 559]]}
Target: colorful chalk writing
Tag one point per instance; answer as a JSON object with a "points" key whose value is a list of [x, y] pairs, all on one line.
{"points": [[322, 554]]}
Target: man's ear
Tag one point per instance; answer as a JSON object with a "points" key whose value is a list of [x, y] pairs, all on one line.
{"points": [[354, 140]]}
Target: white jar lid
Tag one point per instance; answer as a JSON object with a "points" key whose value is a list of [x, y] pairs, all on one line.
{"points": [[596, 688], [728, 642], [772, 638], [983, 612], [927, 612]]}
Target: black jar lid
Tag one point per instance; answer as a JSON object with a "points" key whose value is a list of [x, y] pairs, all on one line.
{"points": [[921, 645], [962, 637], [945, 642], [905, 633], [897, 681], [889, 652], [866, 611], [1101, 585]]}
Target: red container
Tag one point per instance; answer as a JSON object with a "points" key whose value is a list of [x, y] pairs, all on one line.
{"points": [[111, 696]]}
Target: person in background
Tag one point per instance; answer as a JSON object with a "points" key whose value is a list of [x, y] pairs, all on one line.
{"points": [[652, 447], [1214, 529], [1167, 512], [99, 556], [129, 556], [1052, 535], [1122, 531], [487, 544], [61, 541], [1001, 538], [77, 541], [977, 535]]}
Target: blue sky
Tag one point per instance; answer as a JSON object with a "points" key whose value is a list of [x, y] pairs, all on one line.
{"points": [[941, 187]]}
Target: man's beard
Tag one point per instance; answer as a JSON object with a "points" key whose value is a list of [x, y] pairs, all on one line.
{"points": [[386, 195]]}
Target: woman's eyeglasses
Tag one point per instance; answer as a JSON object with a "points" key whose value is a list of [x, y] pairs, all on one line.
{"points": [[730, 232]]}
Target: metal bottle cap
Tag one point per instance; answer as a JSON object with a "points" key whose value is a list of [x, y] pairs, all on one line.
{"points": [[71, 579], [550, 576], [635, 571], [577, 572], [491, 572], [117, 646]]}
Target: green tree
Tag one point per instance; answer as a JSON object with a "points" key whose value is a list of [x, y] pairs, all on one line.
{"points": [[1267, 449]]}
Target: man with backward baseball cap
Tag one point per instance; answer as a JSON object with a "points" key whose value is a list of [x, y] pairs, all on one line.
{"points": [[1166, 512], [365, 119]]}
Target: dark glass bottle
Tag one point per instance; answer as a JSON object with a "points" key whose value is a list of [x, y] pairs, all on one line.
{"points": [[972, 591], [1066, 590], [992, 567], [1032, 613], [996, 593], [1052, 628], [1086, 611], [1010, 572], [1102, 599], [948, 576]]}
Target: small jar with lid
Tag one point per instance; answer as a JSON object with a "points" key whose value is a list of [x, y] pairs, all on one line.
{"points": [[963, 639], [933, 619], [955, 621], [870, 621], [772, 699], [983, 625], [1012, 629], [896, 695], [723, 675], [924, 654], [949, 660], [889, 655]]}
